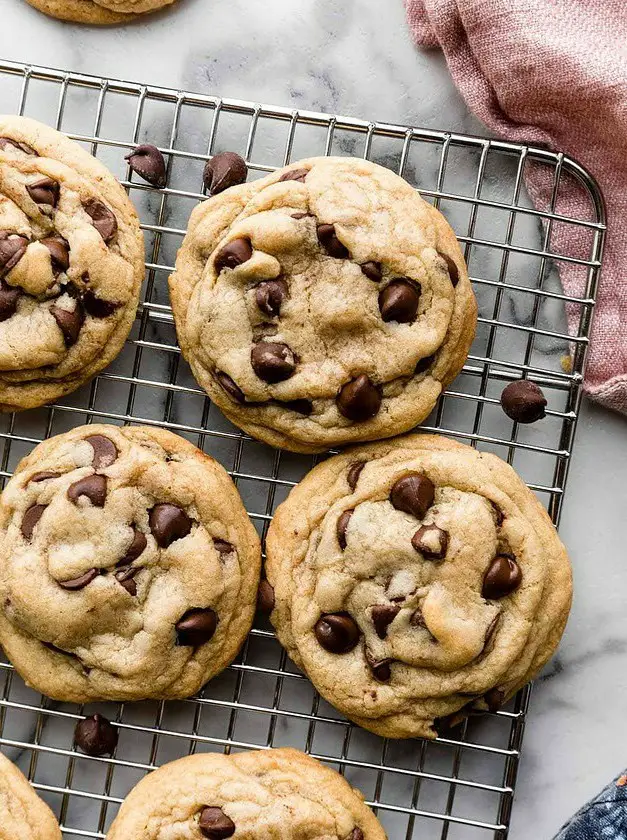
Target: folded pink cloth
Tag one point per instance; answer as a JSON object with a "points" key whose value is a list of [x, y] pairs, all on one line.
{"points": [[554, 72]]}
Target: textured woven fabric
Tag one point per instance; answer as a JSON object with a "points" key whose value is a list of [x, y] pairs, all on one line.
{"points": [[603, 818], [554, 72]]}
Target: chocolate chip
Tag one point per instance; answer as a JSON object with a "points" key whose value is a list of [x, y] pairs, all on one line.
{"points": [[265, 596], [233, 390], [93, 487], [44, 476], [125, 579], [382, 616], [135, 549], [101, 218], [431, 542], [494, 699], [294, 175], [30, 519], [301, 406], [28, 150], [500, 516], [301, 215], [399, 301], [234, 253], [359, 399], [96, 736], [215, 824], [272, 361], [341, 526], [81, 581], [337, 632], [424, 364], [9, 297], [224, 170], [12, 249], [105, 451], [327, 237], [196, 627], [372, 270], [381, 671], [502, 578], [269, 296], [69, 322], [98, 307], [169, 523], [59, 253], [413, 494], [523, 401], [354, 471], [149, 164], [451, 267], [356, 834], [417, 619], [222, 546], [44, 191]]}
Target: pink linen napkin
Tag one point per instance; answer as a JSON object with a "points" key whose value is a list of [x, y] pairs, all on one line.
{"points": [[554, 72]]}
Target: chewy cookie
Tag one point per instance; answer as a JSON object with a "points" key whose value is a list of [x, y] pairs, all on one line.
{"points": [[98, 11], [416, 579], [23, 815], [322, 305], [128, 566], [279, 793], [71, 265]]}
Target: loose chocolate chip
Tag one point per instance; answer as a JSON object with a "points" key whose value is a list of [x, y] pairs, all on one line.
{"points": [[224, 170], [341, 526], [169, 523], [502, 578], [233, 390], [382, 616], [44, 476], [269, 296], [9, 297], [149, 164], [101, 218], [424, 364], [69, 322], [59, 253], [399, 301], [523, 401], [356, 834], [215, 824], [96, 736], [234, 253], [105, 451], [294, 175], [31, 518], [222, 546], [359, 399], [135, 549], [301, 406], [93, 487], [372, 270], [6, 141], [452, 269], [12, 249], [431, 542], [97, 307], [327, 237], [44, 191], [413, 494], [196, 627], [81, 581], [494, 699], [354, 471], [337, 632], [265, 597], [272, 361]]}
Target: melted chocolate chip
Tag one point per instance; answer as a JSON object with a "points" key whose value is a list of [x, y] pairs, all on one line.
{"points": [[80, 582], [9, 297], [269, 295], [451, 267], [494, 699], [500, 516], [233, 390], [59, 253], [265, 596], [215, 824], [294, 175], [30, 519], [97, 307], [327, 237], [354, 471], [272, 361], [93, 487], [337, 632], [413, 494], [96, 736], [224, 170], [135, 549], [341, 526], [149, 164], [431, 542], [196, 627], [44, 191], [381, 671], [69, 322], [43, 476], [503, 577], [23, 147], [125, 578], [301, 215], [373, 271], [382, 616], [222, 546], [12, 249], [105, 451], [523, 401], [359, 400], [399, 301], [169, 523], [234, 253], [101, 218], [424, 364], [301, 406]]}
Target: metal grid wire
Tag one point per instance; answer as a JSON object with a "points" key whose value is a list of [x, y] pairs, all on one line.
{"points": [[462, 784]]}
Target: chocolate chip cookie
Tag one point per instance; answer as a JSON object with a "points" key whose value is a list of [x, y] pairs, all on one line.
{"points": [[98, 11], [23, 815], [279, 793], [71, 265], [416, 579], [322, 305], [128, 566]]}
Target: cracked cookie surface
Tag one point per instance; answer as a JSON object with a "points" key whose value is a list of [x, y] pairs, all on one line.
{"points": [[98, 11], [71, 265], [324, 304], [23, 815], [416, 579], [279, 794], [128, 566]]}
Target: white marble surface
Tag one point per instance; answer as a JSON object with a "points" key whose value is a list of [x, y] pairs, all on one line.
{"points": [[354, 57]]}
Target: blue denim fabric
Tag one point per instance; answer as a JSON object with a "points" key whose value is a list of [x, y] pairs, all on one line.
{"points": [[603, 818]]}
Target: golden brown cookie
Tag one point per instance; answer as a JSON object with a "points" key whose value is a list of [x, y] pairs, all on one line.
{"points": [[98, 11], [23, 815]]}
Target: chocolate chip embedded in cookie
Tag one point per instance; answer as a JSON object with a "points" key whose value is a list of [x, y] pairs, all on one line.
{"points": [[71, 265], [23, 814], [272, 793], [329, 286], [142, 567], [98, 11], [432, 574]]}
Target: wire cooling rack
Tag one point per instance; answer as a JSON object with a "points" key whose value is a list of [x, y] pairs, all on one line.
{"points": [[462, 785]]}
